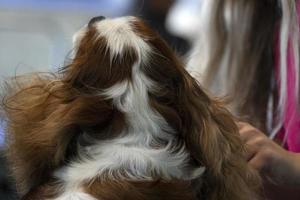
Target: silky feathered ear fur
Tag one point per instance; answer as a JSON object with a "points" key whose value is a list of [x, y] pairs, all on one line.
{"points": [[208, 129]]}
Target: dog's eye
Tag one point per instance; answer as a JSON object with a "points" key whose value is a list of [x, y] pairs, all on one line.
{"points": [[95, 19]]}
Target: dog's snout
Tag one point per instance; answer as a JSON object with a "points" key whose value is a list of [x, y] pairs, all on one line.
{"points": [[96, 19]]}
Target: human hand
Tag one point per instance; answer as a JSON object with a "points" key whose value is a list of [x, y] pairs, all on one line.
{"points": [[271, 160]]}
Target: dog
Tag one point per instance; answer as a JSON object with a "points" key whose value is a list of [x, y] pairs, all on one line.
{"points": [[123, 120]]}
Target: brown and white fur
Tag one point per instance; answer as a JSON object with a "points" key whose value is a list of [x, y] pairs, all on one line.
{"points": [[123, 120]]}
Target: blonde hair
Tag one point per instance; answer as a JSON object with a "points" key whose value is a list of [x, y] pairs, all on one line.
{"points": [[235, 56]]}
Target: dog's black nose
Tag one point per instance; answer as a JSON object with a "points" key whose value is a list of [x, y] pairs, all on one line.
{"points": [[96, 19]]}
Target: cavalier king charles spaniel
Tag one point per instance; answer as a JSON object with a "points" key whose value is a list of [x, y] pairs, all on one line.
{"points": [[123, 120]]}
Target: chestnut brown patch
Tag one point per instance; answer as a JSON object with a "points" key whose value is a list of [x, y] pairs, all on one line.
{"points": [[158, 190]]}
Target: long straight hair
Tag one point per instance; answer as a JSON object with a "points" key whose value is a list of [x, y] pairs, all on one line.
{"points": [[235, 56]]}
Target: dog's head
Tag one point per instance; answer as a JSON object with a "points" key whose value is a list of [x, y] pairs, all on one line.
{"points": [[125, 110]]}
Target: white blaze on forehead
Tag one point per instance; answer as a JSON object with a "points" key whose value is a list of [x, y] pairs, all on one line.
{"points": [[120, 34]]}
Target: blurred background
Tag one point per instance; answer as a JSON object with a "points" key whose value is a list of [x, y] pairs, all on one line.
{"points": [[36, 35]]}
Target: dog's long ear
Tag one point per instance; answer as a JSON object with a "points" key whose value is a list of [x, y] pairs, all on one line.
{"points": [[214, 141], [28, 104], [207, 128], [42, 117]]}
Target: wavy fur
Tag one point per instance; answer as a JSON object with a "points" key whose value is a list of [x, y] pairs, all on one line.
{"points": [[123, 120]]}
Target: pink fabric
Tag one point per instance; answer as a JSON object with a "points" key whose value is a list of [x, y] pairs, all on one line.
{"points": [[291, 125]]}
